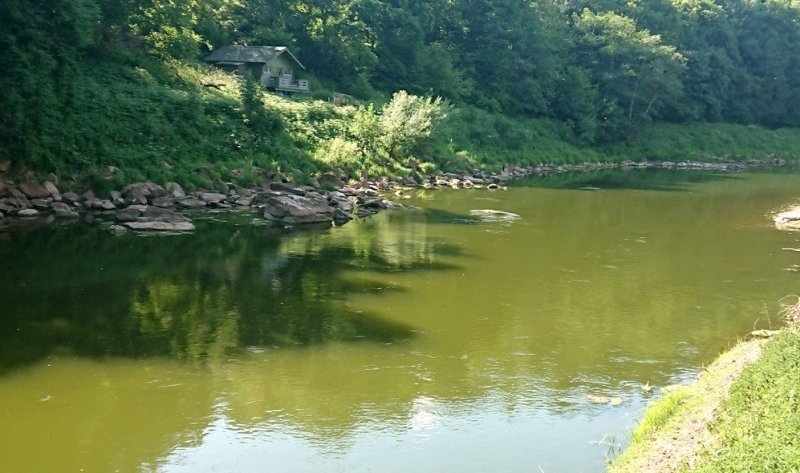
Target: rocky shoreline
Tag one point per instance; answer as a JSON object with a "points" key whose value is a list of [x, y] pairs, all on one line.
{"points": [[149, 207]]}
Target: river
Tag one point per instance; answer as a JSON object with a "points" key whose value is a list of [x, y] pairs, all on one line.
{"points": [[416, 340]]}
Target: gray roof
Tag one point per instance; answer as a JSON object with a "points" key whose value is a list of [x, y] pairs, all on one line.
{"points": [[259, 54]]}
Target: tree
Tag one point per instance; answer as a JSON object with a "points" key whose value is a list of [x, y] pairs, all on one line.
{"points": [[633, 68]]}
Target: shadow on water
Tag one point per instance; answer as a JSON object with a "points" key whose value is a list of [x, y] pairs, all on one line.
{"points": [[211, 294], [640, 179]]}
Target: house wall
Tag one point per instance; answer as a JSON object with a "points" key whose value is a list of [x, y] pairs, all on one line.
{"points": [[280, 65]]}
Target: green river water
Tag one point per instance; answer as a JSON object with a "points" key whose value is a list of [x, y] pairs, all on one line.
{"points": [[425, 340]]}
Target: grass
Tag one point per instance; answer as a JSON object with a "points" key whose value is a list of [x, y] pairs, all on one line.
{"points": [[659, 414], [758, 425]]}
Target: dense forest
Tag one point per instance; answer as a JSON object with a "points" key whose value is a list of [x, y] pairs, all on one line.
{"points": [[110, 82]]}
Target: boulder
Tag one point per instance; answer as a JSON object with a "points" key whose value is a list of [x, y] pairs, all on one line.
{"points": [[329, 180], [70, 197], [287, 187], [27, 213], [52, 190], [191, 203], [63, 210], [157, 226], [340, 217], [211, 198], [175, 190], [34, 190], [141, 192], [296, 209], [789, 220], [116, 198], [5, 166], [150, 218], [3, 188], [163, 201], [21, 199], [244, 201], [41, 204]]}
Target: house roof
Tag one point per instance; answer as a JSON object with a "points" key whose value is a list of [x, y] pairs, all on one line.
{"points": [[236, 53]]}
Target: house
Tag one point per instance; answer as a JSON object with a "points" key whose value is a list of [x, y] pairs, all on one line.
{"points": [[272, 66]]}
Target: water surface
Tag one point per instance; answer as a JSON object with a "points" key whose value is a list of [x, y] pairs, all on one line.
{"points": [[426, 340]]}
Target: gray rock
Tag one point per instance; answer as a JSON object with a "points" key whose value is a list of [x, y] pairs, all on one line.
{"points": [[70, 197], [163, 201], [340, 217], [63, 210], [5, 166], [41, 204], [191, 203], [286, 187], [117, 230], [34, 190], [211, 197], [116, 198], [27, 213], [244, 201], [52, 190], [158, 226], [141, 192], [391, 205], [175, 190], [297, 209], [364, 212], [3, 188], [147, 213], [21, 199], [98, 204]]}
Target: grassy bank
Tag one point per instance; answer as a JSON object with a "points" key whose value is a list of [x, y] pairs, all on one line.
{"points": [[742, 414], [135, 118]]}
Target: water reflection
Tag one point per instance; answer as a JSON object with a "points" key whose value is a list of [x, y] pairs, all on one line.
{"points": [[210, 294]]}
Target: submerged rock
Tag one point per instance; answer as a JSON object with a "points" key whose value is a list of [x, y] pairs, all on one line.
{"points": [[789, 220], [489, 215], [158, 226]]}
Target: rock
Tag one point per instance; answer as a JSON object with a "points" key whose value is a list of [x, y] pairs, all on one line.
{"points": [[63, 210], [27, 213], [340, 217], [329, 180], [117, 230], [52, 190], [789, 220], [98, 204], [70, 197], [5, 166], [244, 201], [211, 198], [364, 212], [3, 188], [163, 201], [175, 190], [145, 213], [298, 209], [391, 205], [489, 215], [492, 186], [141, 192], [191, 203], [158, 226], [21, 200], [116, 198], [41, 204], [286, 187], [34, 190]]}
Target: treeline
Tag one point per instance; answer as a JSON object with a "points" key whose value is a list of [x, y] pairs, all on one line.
{"points": [[604, 68]]}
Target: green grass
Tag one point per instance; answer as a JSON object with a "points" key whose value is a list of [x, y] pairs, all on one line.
{"points": [[758, 425], [658, 415]]}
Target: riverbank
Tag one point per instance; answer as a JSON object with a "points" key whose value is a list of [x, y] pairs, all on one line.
{"points": [[329, 200], [740, 415]]}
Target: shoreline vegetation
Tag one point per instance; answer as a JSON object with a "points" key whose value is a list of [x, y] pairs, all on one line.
{"points": [[741, 414]]}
